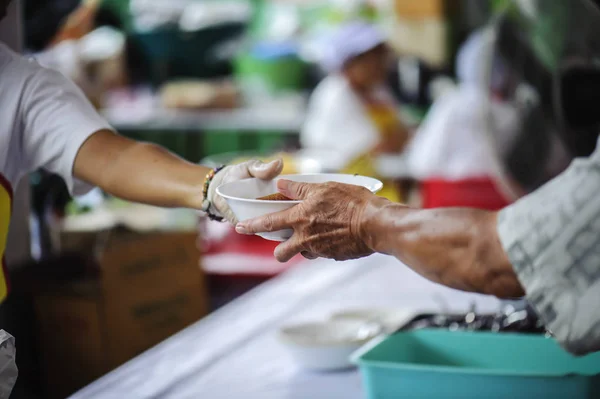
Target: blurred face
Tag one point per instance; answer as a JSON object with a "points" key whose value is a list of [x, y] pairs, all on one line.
{"points": [[3, 8], [370, 69]]}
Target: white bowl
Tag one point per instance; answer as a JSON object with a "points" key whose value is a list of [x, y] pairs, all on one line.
{"points": [[391, 320], [327, 346], [242, 196]]}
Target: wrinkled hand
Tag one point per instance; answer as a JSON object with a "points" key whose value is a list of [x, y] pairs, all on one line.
{"points": [[264, 171], [326, 223]]}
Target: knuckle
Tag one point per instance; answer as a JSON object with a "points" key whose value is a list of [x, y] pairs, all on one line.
{"points": [[313, 219], [303, 190], [268, 224]]}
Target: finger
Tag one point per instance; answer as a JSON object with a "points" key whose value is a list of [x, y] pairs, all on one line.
{"points": [[309, 255], [229, 216], [224, 210], [265, 171], [268, 223], [287, 250], [295, 190]]}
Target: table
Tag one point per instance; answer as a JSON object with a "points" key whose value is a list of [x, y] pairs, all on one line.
{"points": [[247, 120], [141, 110], [234, 353]]}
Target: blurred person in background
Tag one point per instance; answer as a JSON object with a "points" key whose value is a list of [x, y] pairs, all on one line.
{"points": [[352, 112], [453, 152]]}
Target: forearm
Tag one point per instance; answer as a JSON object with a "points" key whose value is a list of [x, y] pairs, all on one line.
{"points": [[458, 248], [139, 172]]}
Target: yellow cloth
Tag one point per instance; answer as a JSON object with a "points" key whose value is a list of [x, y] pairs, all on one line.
{"points": [[382, 116], [365, 166], [5, 210]]}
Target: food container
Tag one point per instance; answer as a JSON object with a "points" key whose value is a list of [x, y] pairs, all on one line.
{"points": [[390, 320], [444, 364], [326, 346]]}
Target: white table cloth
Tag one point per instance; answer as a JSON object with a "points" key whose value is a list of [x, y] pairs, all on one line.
{"points": [[234, 353]]}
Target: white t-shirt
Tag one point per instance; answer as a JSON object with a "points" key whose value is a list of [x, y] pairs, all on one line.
{"points": [[44, 120], [337, 120]]}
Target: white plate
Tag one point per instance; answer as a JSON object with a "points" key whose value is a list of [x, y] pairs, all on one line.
{"points": [[242, 196]]}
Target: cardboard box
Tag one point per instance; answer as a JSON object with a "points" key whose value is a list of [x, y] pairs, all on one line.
{"points": [[425, 9], [423, 29], [149, 287], [426, 40]]}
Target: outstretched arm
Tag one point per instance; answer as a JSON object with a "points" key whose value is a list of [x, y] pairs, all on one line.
{"points": [[455, 247], [62, 133], [150, 174], [139, 172], [458, 248]]}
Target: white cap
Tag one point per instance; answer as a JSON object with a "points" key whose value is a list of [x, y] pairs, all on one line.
{"points": [[349, 41], [477, 62]]}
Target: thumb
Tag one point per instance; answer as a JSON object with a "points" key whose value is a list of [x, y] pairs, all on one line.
{"points": [[224, 210], [294, 190], [265, 171]]}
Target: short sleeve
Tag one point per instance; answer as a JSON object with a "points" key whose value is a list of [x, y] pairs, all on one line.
{"points": [[57, 119], [552, 238]]}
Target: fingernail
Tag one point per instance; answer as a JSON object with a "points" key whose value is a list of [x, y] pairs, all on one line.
{"points": [[265, 166], [272, 165], [241, 229]]}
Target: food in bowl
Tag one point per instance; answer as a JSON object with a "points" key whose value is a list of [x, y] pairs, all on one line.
{"points": [[275, 197]]}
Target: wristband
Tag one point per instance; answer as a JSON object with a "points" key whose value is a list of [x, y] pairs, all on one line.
{"points": [[206, 204]]}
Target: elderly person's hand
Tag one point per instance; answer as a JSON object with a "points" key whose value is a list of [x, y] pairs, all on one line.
{"points": [[326, 224], [264, 171]]}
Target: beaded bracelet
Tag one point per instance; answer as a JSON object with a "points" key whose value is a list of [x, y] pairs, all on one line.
{"points": [[206, 204]]}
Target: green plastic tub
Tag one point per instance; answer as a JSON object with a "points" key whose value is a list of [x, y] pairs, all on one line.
{"points": [[444, 364], [274, 66]]}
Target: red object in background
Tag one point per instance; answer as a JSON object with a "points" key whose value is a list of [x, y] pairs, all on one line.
{"points": [[235, 254], [235, 264], [480, 193]]}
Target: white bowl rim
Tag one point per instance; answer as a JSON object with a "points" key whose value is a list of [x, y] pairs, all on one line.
{"points": [[378, 184], [284, 333]]}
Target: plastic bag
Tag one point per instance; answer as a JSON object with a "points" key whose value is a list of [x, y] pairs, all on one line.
{"points": [[8, 365]]}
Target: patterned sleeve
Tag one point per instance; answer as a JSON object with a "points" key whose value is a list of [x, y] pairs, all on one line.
{"points": [[552, 238]]}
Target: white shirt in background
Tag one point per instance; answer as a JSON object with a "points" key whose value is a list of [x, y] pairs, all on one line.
{"points": [[336, 120], [462, 136]]}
